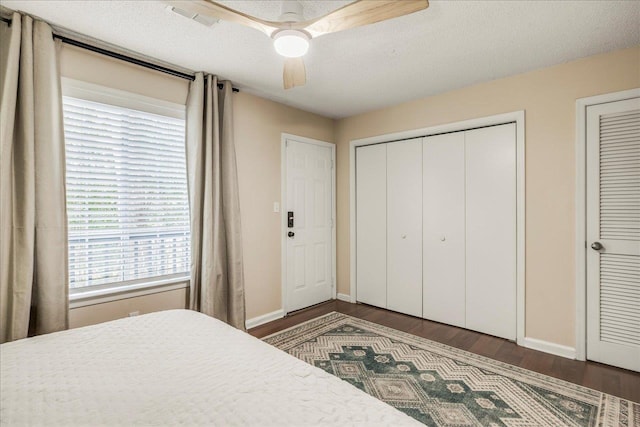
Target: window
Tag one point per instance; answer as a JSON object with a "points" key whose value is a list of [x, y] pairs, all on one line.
{"points": [[127, 201]]}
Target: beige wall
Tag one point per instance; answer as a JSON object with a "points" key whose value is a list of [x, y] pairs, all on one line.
{"points": [[258, 125], [82, 64], [97, 313], [548, 97]]}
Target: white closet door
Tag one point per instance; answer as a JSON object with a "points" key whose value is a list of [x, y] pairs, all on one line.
{"points": [[613, 233], [371, 224], [490, 164], [443, 207], [404, 226]]}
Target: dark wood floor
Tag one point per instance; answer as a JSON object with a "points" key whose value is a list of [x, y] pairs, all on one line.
{"points": [[615, 381]]}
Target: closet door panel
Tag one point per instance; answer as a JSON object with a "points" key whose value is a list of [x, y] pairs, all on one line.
{"points": [[404, 226], [490, 158], [443, 207], [371, 225]]}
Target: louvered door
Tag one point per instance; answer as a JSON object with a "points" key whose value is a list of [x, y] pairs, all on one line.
{"points": [[613, 233]]}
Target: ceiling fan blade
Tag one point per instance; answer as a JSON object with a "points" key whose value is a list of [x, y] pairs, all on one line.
{"points": [[294, 73], [359, 13], [216, 10]]}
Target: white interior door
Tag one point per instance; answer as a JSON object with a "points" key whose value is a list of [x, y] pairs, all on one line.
{"points": [[404, 226], [309, 241], [490, 166], [371, 225], [443, 210], [613, 233]]}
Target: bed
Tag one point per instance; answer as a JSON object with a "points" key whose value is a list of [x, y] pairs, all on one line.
{"points": [[176, 367]]}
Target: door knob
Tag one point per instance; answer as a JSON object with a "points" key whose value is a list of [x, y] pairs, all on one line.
{"points": [[596, 246], [291, 234], [404, 236]]}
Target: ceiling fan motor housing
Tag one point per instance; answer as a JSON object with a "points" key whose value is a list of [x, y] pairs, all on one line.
{"points": [[291, 11]]}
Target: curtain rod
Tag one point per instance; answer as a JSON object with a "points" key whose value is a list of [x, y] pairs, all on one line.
{"points": [[122, 57]]}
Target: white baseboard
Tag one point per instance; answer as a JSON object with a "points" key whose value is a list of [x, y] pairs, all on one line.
{"points": [[528, 342], [344, 297], [549, 347], [265, 318]]}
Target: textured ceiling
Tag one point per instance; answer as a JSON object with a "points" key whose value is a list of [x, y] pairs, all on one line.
{"points": [[451, 44]]}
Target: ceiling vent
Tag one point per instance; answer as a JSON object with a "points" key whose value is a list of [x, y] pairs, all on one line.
{"points": [[202, 19]]}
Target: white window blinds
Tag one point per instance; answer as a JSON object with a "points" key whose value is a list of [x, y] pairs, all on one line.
{"points": [[127, 197]]}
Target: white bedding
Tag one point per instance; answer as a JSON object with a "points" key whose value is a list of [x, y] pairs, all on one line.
{"points": [[174, 367]]}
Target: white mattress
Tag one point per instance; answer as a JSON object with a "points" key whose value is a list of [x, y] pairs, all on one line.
{"points": [[174, 367]]}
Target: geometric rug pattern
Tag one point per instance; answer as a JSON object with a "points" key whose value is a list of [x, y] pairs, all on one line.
{"points": [[443, 386]]}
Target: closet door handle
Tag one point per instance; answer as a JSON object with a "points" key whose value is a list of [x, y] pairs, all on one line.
{"points": [[597, 246], [404, 236]]}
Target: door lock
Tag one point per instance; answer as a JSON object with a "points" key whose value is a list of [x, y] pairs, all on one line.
{"points": [[291, 234]]}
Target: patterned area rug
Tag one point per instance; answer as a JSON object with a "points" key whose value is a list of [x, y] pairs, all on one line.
{"points": [[444, 386]]}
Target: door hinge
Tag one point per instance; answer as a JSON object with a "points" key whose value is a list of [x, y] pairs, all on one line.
{"points": [[331, 164], [331, 221]]}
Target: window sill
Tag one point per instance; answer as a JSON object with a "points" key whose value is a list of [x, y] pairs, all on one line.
{"points": [[99, 296]]}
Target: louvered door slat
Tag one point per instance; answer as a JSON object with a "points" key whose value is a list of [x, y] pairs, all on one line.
{"points": [[619, 151], [620, 189], [624, 159], [623, 318], [622, 116], [623, 261], [621, 127], [618, 331], [611, 131], [621, 140]]}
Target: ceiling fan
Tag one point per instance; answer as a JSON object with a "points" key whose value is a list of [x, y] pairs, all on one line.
{"points": [[291, 35]]}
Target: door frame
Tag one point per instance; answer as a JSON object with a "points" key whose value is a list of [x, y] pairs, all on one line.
{"points": [[517, 117], [283, 212], [581, 210]]}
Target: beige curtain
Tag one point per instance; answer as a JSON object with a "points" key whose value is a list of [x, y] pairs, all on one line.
{"points": [[217, 279], [33, 249]]}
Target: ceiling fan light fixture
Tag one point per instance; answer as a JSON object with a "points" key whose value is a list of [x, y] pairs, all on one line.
{"points": [[291, 43]]}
